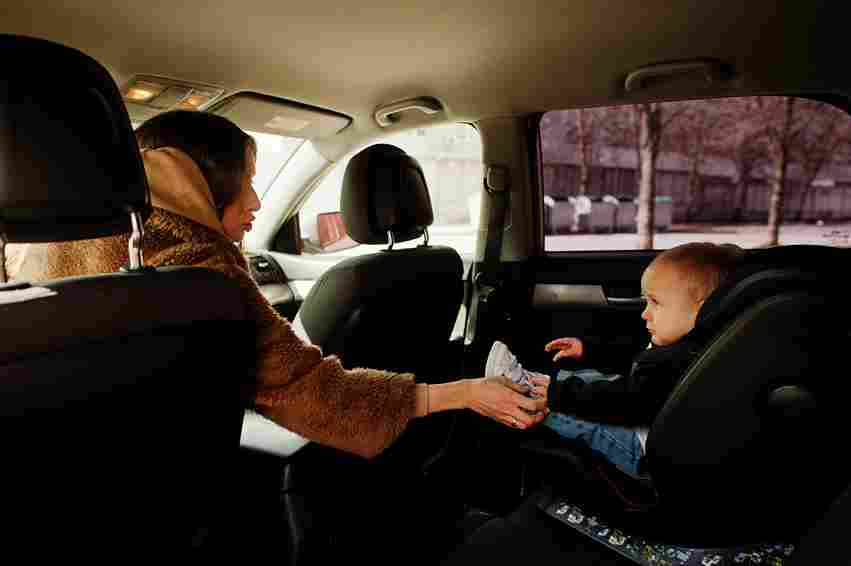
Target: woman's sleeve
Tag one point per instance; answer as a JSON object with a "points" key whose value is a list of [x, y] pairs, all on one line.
{"points": [[360, 411]]}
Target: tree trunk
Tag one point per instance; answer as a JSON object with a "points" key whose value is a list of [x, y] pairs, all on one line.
{"points": [[778, 184], [584, 161], [741, 198], [650, 129], [802, 202], [636, 126], [743, 168], [775, 206], [695, 186]]}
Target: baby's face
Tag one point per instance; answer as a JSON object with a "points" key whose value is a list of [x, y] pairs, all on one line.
{"points": [[671, 309]]}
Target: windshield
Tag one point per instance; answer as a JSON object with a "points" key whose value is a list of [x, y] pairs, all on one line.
{"points": [[273, 152]]}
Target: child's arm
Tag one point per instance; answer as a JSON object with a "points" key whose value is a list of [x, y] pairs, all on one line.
{"points": [[609, 355], [632, 400], [565, 348]]}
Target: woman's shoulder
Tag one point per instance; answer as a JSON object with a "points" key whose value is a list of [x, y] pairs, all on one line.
{"points": [[171, 239]]}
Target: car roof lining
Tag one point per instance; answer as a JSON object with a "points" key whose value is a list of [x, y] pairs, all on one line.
{"points": [[479, 61]]}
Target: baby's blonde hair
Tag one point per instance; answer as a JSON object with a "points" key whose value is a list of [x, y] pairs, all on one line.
{"points": [[703, 265]]}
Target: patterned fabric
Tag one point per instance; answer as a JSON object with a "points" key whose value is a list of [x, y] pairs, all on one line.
{"points": [[653, 554]]}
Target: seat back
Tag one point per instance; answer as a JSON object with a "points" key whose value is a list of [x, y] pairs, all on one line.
{"points": [[394, 309], [121, 395], [745, 448]]}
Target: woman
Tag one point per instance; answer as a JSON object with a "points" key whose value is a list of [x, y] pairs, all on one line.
{"points": [[200, 169]]}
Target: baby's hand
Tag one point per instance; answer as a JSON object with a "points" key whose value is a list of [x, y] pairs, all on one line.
{"points": [[567, 348]]}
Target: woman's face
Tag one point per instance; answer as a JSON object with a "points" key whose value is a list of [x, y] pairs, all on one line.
{"points": [[239, 214]]}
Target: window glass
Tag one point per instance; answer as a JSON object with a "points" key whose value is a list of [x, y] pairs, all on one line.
{"points": [[272, 154], [451, 158], [752, 171]]}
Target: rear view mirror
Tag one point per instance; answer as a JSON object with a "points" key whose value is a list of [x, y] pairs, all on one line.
{"points": [[332, 232]]}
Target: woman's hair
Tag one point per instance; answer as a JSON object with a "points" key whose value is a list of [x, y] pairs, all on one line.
{"points": [[215, 143]]}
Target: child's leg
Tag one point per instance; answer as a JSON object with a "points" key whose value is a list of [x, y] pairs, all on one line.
{"points": [[621, 446]]}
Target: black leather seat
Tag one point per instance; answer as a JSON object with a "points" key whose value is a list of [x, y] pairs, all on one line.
{"points": [[121, 395], [748, 447], [394, 309]]}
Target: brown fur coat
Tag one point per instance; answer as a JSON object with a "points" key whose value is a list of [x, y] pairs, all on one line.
{"points": [[360, 411]]}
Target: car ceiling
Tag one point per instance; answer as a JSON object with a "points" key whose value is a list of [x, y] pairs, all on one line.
{"points": [[479, 57]]}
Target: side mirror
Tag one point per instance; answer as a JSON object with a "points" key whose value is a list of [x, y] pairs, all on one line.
{"points": [[332, 232]]}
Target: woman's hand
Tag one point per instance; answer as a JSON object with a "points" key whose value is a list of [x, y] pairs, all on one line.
{"points": [[504, 401], [565, 348]]}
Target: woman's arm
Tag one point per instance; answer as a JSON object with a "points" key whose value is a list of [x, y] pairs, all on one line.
{"points": [[494, 397], [361, 410]]}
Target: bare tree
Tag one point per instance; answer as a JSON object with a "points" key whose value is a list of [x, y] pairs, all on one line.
{"points": [[585, 120], [584, 132], [648, 118], [819, 143], [618, 130], [782, 126], [696, 134], [652, 120], [740, 141]]}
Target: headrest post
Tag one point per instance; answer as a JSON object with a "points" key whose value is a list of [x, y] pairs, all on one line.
{"points": [[3, 276], [391, 238], [137, 261], [425, 236]]}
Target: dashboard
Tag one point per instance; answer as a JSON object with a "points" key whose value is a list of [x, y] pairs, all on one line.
{"points": [[285, 295]]}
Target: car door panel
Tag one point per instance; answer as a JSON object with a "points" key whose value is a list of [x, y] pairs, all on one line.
{"points": [[592, 296]]}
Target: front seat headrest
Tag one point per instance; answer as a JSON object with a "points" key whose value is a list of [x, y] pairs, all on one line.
{"points": [[384, 191], [70, 166]]}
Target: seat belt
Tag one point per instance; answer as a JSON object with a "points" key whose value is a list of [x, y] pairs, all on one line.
{"points": [[487, 278]]}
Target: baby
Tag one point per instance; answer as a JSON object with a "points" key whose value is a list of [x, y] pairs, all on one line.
{"points": [[612, 414]]}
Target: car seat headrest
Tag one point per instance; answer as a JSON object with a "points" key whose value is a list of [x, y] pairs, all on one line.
{"points": [[385, 192], [768, 272], [70, 167]]}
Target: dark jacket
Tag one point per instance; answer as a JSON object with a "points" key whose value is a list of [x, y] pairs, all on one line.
{"points": [[634, 398]]}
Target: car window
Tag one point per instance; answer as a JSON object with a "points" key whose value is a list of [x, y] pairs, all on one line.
{"points": [[451, 158], [753, 171], [273, 151]]}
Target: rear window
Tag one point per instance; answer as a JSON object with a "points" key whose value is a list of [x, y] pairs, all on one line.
{"points": [[754, 171], [451, 158]]}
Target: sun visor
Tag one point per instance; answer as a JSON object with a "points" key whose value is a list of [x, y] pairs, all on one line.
{"points": [[272, 115]]}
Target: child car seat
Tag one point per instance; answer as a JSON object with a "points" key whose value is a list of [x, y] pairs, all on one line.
{"points": [[745, 448]]}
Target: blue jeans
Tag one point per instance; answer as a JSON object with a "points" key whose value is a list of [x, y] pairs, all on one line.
{"points": [[618, 444]]}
